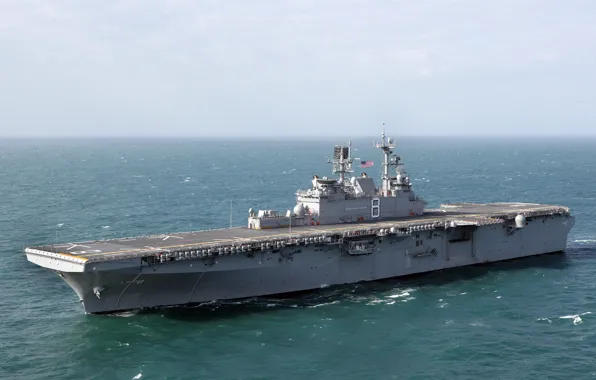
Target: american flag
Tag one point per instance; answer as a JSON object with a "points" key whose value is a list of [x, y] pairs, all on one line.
{"points": [[366, 164]]}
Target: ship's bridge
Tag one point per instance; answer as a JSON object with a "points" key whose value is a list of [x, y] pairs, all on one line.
{"points": [[347, 198], [356, 187]]}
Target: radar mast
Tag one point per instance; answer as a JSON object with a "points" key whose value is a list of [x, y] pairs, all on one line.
{"points": [[387, 145], [342, 161]]}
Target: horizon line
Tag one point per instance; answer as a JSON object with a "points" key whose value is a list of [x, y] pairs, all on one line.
{"points": [[287, 137]]}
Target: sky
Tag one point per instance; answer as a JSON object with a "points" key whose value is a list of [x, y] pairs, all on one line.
{"points": [[297, 68]]}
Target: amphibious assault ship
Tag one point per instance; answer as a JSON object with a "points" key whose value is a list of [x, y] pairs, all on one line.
{"points": [[341, 230]]}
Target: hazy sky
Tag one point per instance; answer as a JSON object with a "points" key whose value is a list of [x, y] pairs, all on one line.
{"points": [[237, 67]]}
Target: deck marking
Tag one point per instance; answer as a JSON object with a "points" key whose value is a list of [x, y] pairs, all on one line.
{"points": [[77, 245], [139, 250]]}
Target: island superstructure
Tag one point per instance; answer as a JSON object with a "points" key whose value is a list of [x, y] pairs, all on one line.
{"points": [[341, 230]]}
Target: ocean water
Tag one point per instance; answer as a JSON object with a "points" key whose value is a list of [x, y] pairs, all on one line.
{"points": [[533, 318]]}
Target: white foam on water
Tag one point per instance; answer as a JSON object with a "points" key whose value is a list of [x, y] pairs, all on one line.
{"points": [[389, 301], [585, 241], [124, 314], [324, 304], [356, 298], [402, 293], [545, 319]]}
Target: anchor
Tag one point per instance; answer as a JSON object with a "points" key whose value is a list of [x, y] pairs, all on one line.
{"points": [[97, 291]]}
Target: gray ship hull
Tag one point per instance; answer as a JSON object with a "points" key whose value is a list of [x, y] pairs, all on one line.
{"points": [[133, 284]]}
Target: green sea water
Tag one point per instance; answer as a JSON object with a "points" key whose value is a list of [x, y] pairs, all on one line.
{"points": [[533, 318]]}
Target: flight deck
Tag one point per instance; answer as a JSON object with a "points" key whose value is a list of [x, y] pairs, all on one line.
{"points": [[207, 240]]}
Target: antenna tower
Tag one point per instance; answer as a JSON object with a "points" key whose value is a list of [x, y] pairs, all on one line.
{"points": [[342, 161], [390, 160]]}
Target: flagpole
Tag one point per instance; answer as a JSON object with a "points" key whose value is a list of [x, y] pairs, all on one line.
{"points": [[230, 213]]}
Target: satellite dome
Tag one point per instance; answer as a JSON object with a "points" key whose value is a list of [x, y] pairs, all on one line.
{"points": [[520, 221], [299, 209]]}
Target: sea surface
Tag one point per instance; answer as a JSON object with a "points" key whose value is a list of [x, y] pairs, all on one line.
{"points": [[532, 318]]}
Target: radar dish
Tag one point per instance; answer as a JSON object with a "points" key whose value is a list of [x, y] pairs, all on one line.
{"points": [[299, 210], [326, 181]]}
